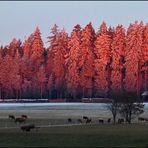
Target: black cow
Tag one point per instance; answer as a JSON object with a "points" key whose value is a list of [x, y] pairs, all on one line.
{"points": [[69, 120], [12, 117], [120, 120], [109, 120], [85, 117], [88, 121], [101, 121], [141, 119]]}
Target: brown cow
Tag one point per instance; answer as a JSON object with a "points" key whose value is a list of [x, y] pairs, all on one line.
{"points": [[24, 116], [28, 127], [20, 120]]}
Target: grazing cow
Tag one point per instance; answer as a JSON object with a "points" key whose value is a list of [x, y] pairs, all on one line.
{"points": [[12, 117], [141, 119], [101, 121], [24, 116], [120, 120], [85, 117], [79, 120], [27, 128], [88, 121], [109, 120], [69, 120], [20, 120]]}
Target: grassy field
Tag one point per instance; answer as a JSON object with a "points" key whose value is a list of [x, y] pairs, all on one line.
{"points": [[97, 135], [78, 136]]}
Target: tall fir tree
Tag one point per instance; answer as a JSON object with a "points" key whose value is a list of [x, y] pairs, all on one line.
{"points": [[133, 55], [118, 54], [59, 48], [37, 49], [27, 46], [102, 60], [50, 56], [87, 61], [144, 60], [72, 62], [41, 80]]}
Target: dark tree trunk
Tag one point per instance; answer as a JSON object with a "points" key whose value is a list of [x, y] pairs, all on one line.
{"points": [[114, 119]]}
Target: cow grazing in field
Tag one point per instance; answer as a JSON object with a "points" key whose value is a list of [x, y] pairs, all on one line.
{"points": [[101, 121], [69, 120], [79, 120], [20, 120], [120, 120], [109, 120], [24, 116], [88, 121], [28, 127], [12, 117], [140, 119], [85, 117]]}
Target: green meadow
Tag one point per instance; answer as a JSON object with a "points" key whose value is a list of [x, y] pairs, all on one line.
{"points": [[107, 135]]}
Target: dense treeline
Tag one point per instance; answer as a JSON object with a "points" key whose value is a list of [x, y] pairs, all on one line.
{"points": [[83, 64]]}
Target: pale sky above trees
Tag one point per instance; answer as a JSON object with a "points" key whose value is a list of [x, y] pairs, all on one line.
{"points": [[19, 19]]}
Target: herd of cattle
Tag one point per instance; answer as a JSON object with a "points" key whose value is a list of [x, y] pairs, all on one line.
{"points": [[84, 119], [22, 119]]}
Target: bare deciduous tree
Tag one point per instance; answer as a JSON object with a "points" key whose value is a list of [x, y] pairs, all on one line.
{"points": [[114, 105], [131, 106]]}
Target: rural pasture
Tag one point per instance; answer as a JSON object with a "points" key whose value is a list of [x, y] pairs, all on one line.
{"points": [[54, 129], [134, 135]]}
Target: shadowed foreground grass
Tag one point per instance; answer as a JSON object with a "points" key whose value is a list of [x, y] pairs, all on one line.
{"points": [[78, 136]]}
